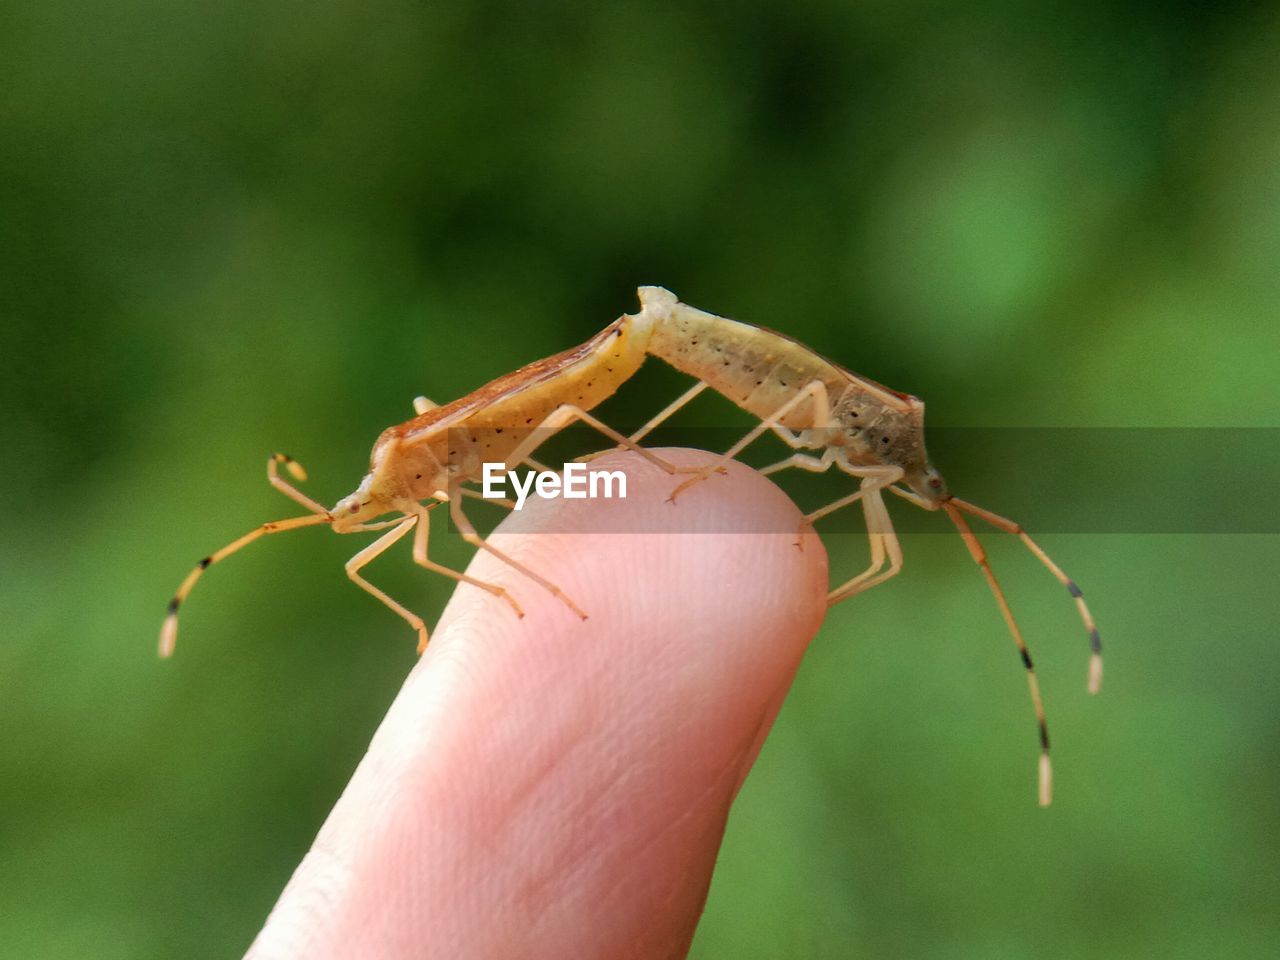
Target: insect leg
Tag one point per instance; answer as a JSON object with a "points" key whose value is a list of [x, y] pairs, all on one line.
{"points": [[816, 391], [980, 557], [804, 462], [669, 411], [567, 413], [1009, 526], [874, 477], [420, 557], [469, 534], [169, 630], [373, 550], [537, 465], [285, 487], [880, 533], [477, 495], [375, 525], [655, 422], [880, 530]]}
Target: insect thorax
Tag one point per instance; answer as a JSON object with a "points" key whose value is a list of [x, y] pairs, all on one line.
{"points": [[874, 432]]}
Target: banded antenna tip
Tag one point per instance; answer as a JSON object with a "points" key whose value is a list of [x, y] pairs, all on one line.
{"points": [[168, 636], [1046, 781], [1095, 673]]}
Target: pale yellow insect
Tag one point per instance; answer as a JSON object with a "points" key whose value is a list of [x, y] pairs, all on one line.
{"points": [[861, 427], [431, 456]]}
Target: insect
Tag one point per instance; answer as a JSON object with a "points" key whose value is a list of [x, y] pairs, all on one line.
{"points": [[431, 456], [862, 428]]}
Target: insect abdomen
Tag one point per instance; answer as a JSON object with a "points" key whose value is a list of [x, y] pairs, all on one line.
{"points": [[757, 369], [602, 364]]}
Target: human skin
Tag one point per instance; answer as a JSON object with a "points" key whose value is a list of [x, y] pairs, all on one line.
{"points": [[549, 787]]}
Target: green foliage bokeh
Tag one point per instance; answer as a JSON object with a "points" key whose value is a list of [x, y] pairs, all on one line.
{"points": [[235, 228]]}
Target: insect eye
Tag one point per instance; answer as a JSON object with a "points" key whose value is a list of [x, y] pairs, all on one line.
{"points": [[936, 483]]}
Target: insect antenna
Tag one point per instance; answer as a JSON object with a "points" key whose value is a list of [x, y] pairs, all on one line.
{"points": [[169, 631], [980, 557], [1008, 526]]}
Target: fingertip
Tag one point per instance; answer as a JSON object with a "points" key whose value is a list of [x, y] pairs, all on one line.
{"points": [[559, 783]]}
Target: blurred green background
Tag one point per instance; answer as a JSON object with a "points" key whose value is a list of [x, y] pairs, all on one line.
{"points": [[230, 229]]}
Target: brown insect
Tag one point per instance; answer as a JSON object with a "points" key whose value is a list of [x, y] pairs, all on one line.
{"points": [[865, 429], [430, 457]]}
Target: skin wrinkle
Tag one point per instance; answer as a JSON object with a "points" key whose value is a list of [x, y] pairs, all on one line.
{"points": [[580, 854], [497, 844], [396, 774], [572, 858], [525, 896], [577, 853], [571, 738], [733, 768], [547, 788], [615, 789], [730, 768]]}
